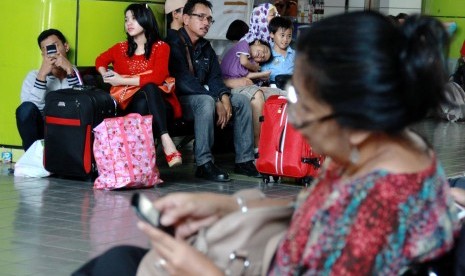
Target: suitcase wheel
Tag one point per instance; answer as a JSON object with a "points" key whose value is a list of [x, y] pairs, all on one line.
{"points": [[307, 180], [267, 178]]}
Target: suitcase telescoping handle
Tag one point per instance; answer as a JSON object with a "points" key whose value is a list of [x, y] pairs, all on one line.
{"points": [[283, 126], [281, 138]]}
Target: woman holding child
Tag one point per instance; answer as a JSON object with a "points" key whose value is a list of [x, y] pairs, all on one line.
{"points": [[241, 64], [141, 61]]}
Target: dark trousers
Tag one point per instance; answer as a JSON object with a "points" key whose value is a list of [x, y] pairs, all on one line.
{"points": [[121, 260], [460, 254], [149, 101], [30, 123]]}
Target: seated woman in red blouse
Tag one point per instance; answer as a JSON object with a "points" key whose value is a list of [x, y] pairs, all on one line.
{"points": [[142, 61]]}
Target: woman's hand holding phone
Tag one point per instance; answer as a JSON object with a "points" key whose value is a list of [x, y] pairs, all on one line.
{"points": [[109, 73], [148, 213]]}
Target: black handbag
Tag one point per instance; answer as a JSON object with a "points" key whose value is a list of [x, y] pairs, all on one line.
{"points": [[281, 80]]}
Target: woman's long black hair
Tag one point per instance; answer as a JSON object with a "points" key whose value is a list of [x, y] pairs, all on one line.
{"points": [[376, 75], [144, 16]]}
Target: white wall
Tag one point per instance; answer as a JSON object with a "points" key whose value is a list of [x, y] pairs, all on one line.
{"points": [[332, 7], [394, 7]]}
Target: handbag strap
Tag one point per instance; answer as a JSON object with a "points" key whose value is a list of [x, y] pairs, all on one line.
{"points": [[78, 76], [270, 251], [148, 146], [188, 54], [124, 136]]}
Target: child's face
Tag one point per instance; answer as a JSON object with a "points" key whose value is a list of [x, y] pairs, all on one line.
{"points": [[282, 38], [260, 53]]}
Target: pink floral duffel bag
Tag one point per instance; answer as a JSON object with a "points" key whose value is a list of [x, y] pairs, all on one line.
{"points": [[124, 151]]}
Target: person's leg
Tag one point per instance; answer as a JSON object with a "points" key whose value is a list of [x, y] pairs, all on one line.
{"points": [[138, 104], [243, 136], [269, 91], [257, 103], [202, 109], [156, 107], [243, 128], [149, 98], [30, 123], [257, 100], [121, 260]]}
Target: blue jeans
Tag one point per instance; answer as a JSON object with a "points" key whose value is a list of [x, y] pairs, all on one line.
{"points": [[30, 123], [202, 109]]}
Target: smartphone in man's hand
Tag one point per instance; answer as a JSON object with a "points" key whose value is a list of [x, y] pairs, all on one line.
{"points": [[51, 49], [147, 212]]}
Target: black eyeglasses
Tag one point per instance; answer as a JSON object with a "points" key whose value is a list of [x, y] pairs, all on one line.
{"points": [[202, 17]]}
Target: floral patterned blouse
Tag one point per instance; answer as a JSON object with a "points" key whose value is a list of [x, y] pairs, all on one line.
{"points": [[377, 224]]}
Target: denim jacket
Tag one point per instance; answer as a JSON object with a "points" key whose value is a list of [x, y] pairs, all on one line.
{"points": [[205, 62]]}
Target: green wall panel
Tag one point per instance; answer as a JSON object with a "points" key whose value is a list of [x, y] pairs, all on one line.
{"points": [[458, 38], [20, 52], [444, 7], [100, 25], [447, 11]]}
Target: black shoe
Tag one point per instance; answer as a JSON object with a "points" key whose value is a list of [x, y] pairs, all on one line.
{"points": [[247, 168], [211, 172], [256, 155]]}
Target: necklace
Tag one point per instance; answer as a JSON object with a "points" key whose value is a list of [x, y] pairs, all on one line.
{"points": [[366, 165]]}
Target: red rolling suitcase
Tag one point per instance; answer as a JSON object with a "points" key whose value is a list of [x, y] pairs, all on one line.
{"points": [[282, 150], [70, 116]]}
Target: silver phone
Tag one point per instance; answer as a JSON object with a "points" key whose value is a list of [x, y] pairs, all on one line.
{"points": [[147, 212], [51, 49]]}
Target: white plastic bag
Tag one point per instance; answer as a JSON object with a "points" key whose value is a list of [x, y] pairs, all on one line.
{"points": [[454, 109], [31, 164]]}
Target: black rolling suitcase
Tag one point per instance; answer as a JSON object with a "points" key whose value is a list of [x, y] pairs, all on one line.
{"points": [[70, 116]]}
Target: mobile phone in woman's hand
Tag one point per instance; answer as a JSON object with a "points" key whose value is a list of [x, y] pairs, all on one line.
{"points": [[148, 213]]}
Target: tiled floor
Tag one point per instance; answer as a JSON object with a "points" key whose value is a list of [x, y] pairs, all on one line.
{"points": [[51, 226]]}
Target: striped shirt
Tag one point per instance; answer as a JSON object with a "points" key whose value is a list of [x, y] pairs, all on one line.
{"points": [[34, 90]]}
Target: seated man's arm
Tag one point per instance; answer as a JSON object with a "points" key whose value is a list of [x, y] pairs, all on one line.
{"points": [[33, 89], [215, 77]]}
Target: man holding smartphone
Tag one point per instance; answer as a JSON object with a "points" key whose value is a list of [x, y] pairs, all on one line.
{"points": [[56, 72]]}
